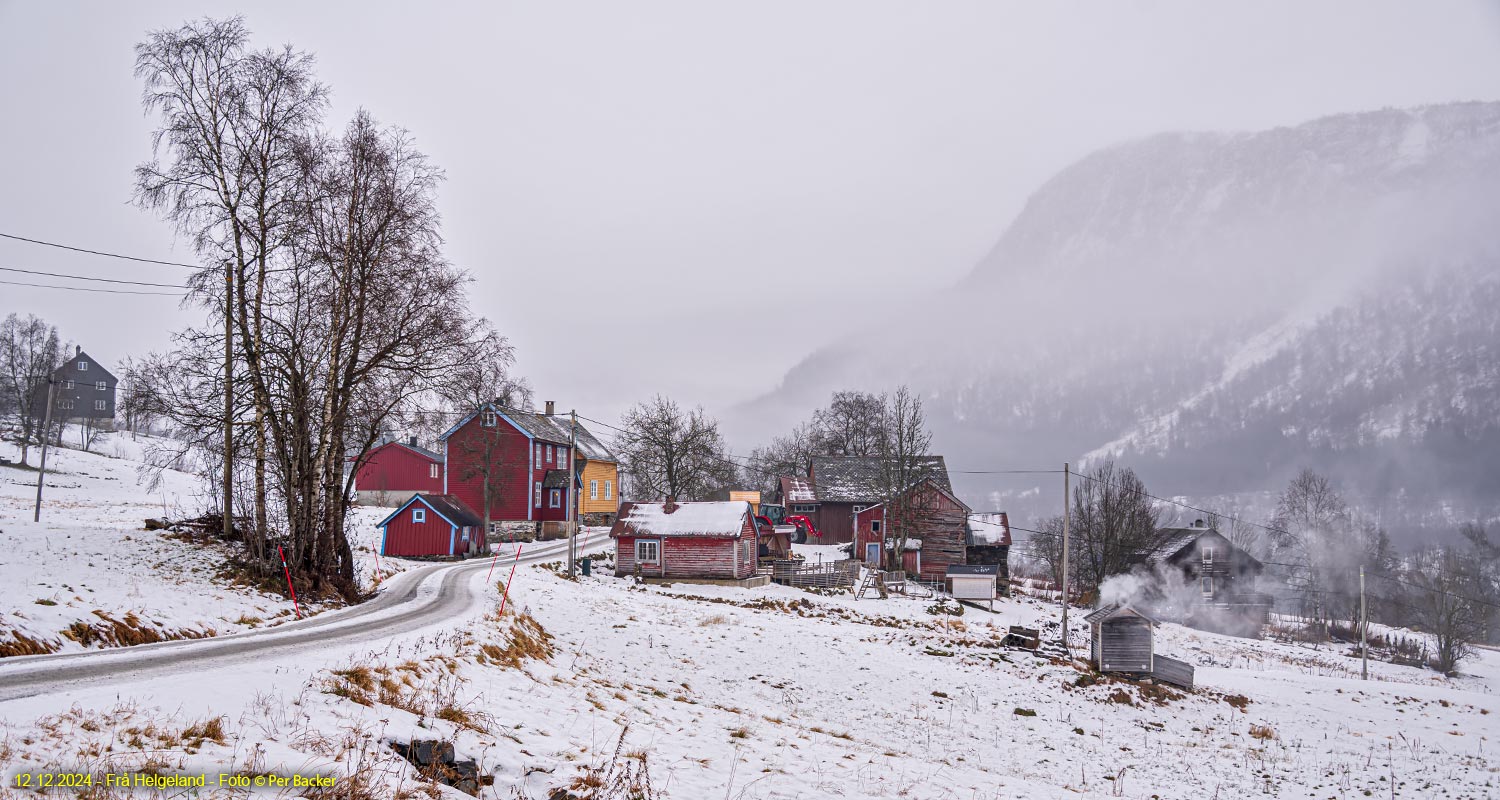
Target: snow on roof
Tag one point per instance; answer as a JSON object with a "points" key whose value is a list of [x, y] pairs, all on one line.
{"points": [[989, 529], [686, 519], [796, 489]]}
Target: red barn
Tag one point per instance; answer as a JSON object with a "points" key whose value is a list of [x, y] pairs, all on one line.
{"points": [[515, 466], [391, 473], [935, 531], [432, 525], [715, 541]]}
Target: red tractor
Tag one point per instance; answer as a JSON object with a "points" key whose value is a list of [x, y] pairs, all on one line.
{"points": [[800, 529]]}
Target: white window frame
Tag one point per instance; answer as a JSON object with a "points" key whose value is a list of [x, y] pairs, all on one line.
{"points": [[1206, 584], [83, 366], [488, 418], [549, 454], [593, 490], [102, 386], [66, 404], [875, 526], [539, 452], [609, 490], [69, 383], [1208, 553], [101, 405], [554, 498], [858, 509], [419, 515], [804, 508], [651, 545], [562, 458], [538, 499], [432, 470]]}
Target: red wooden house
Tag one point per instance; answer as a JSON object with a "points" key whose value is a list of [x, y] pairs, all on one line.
{"points": [[934, 535], [714, 540], [390, 474], [432, 525], [514, 466]]}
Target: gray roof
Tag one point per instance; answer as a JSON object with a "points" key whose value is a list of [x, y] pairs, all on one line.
{"points": [[857, 479], [552, 429], [555, 479], [421, 451], [1117, 610], [973, 569]]}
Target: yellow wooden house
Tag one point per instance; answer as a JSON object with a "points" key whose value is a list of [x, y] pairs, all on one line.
{"points": [[599, 494]]}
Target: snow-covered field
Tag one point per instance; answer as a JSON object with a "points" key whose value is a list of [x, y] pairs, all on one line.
{"points": [[90, 563], [709, 692]]}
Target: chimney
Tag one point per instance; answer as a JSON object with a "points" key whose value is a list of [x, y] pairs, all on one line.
{"points": [[550, 407], [413, 441], [1198, 523], [77, 350], [671, 504]]}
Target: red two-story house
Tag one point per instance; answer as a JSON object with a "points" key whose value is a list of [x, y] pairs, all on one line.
{"points": [[511, 466]]}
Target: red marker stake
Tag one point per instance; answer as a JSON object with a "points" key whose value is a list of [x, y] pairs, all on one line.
{"points": [[289, 586], [506, 595], [376, 551]]}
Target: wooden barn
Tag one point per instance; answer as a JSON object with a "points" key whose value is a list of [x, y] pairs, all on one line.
{"points": [[842, 486], [707, 541], [390, 474], [432, 525], [934, 535], [1219, 579], [1122, 640]]}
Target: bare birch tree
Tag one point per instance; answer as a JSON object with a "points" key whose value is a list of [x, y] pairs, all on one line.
{"points": [[667, 451], [29, 352]]}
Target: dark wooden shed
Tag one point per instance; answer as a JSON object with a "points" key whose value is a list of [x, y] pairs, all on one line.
{"points": [[1120, 639]]}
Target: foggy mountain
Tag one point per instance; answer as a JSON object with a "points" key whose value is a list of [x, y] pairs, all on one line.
{"points": [[1218, 310]]}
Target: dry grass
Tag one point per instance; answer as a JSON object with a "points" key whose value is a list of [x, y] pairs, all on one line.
{"points": [[716, 619], [528, 640], [126, 632], [1262, 732], [22, 645]]}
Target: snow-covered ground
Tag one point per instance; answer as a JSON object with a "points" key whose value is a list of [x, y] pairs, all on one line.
{"points": [[91, 569], [708, 692]]}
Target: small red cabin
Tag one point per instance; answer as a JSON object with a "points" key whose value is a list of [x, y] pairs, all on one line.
{"points": [[432, 525], [390, 474], [685, 540]]}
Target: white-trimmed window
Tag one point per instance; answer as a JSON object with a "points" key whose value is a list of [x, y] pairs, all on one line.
{"points": [[538, 454], [804, 509], [648, 551], [549, 453], [1208, 555], [538, 501], [419, 515], [66, 405], [554, 498], [432, 470], [858, 509], [83, 366], [874, 526], [609, 490], [1208, 585], [593, 490], [487, 418], [101, 405], [562, 458], [69, 384], [101, 386]]}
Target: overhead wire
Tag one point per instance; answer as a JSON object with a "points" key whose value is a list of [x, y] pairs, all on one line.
{"points": [[99, 252]]}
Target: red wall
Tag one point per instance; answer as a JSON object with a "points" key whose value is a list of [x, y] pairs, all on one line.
{"points": [[690, 557], [393, 468], [864, 535], [431, 538], [511, 456]]}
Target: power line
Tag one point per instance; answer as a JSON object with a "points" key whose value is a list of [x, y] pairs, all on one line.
{"points": [[87, 278], [100, 252], [87, 289]]}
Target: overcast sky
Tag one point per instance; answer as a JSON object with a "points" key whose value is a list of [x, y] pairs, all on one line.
{"points": [[684, 198]]}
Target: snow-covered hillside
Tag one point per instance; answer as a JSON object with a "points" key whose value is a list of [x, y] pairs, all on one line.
{"points": [[89, 575], [1222, 309]]}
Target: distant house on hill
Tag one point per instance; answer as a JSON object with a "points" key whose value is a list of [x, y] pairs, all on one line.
{"points": [[841, 486], [515, 466], [432, 525], [388, 475], [81, 389], [935, 536], [713, 541], [1208, 582], [988, 543]]}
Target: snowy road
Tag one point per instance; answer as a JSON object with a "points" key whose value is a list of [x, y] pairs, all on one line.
{"points": [[411, 601]]}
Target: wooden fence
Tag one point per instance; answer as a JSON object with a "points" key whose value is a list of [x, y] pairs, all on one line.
{"points": [[828, 575], [1170, 670]]}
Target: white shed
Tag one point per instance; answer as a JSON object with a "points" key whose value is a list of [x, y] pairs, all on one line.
{"points": [[973, 581]]}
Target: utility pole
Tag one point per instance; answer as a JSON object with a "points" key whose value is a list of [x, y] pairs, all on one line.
{"points": [[572, 491], [229, 403], [1364, 625], [1067, 473], [46, 427]]}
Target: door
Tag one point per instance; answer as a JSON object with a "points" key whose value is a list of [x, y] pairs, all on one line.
{"points": [[872, 552]]}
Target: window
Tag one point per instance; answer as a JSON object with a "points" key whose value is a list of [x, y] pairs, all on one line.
{"points": [[83, 366], [593, 490], [858, 509], [648, 551], [1208, 554], [538, 454], [66, 405], [609, 490], [419, 515], [432, 470], [554, 498], [549, 452], [487, 418], [562, 458], [874, 526], [804, 509], [538, 499], [1208, 586], [101, 386], [69, 384], [101, 405]]}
